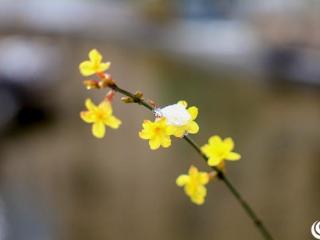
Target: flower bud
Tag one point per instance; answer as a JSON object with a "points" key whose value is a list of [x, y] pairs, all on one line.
{"points": [[139, 94], [152, 103], [91, 84], [212, 175], [110, 95], [106, 82], [127, 100]]}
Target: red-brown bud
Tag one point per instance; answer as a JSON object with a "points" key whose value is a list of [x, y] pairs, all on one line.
{"points": [[110, 95], [152, 103], [91, 84]]}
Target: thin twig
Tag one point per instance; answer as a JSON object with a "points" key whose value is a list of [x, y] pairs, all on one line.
{"points": [[244, 204]]}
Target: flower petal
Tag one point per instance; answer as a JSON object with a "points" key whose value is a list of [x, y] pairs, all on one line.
{"points": [[199, 200], [178, 131], [215, 140], [113, 122], [166, 142], [103, 67], [203, 178], [171, 130], [154, 143], [182, 180], [199, 196], [193, 127], [201, 190], [146, 123], [90, 105], [87, 68], [206, 149], [229, 144], [95, 56], [87, 116], [106, 107], [162, 122], [193, 111], [144, 134], [183, 103], [193, 171], [232, 156], [98, 129], [214, 161]]}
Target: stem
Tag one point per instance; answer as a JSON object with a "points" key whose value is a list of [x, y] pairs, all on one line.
{"points": [[247, 208], [131, 95], [245, 205]]}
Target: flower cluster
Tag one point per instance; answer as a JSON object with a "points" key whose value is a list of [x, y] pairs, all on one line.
{"points": [[99, 115], [194, 184], [158, 133], [218, 150], [176, 120], [94, 64]]}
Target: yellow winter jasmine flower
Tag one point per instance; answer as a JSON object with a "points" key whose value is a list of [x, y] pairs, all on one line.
{"points": [[94, 64], [180, 118], [194, 184], [100, 115], [158, 133], [218, 150]]}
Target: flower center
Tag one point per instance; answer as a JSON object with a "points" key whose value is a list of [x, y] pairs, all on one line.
{"points": [[220, 153], [100, 115], [158, 130], [96, 65]]}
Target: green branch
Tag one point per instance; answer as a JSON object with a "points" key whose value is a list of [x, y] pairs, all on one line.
{"points": [[221, 175]]}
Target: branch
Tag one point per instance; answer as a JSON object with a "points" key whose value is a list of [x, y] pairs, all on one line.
{"points": [[221, 175]]}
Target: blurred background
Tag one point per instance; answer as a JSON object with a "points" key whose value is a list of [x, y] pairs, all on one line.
{"points": [[252, 68]]}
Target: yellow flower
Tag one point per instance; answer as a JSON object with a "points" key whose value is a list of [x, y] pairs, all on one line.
{"points": [[218, 150], [180, 118], [94, 64], [194, 184], [100, 116], [158, 133]]}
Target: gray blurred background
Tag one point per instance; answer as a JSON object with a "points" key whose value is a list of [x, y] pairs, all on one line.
{"points": [[252, 68]]}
